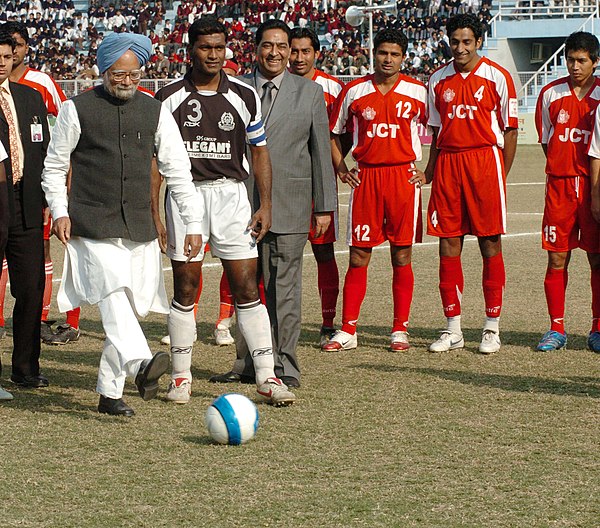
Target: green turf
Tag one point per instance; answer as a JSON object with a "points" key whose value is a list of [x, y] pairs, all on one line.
{"points": [[376, 439]]}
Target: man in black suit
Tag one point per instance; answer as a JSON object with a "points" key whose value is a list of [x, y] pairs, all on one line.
{"points": [[24, 133]]}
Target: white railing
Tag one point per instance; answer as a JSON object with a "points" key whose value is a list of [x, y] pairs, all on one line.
{"points": [[531, 87], [529, 10]]}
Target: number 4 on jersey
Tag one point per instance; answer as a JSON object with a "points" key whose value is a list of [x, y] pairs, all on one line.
{"points": [[479, 93]]}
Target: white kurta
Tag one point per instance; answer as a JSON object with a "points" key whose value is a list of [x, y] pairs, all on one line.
{"points": [[135, 267]]}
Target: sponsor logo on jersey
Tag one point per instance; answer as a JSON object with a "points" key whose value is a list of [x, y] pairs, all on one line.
{"points": [[449, 95], [227, 122], [207, 147], [575, 135], [383, 130], [369, 114], [462, 111], [513, 108], [563, 117]]}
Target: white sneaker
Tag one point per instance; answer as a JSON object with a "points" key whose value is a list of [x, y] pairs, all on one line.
{"points": [[180, 390], [275, 392], [341, 341], [399, 341], [5, 395], [167, 339], [223, 337], [448, 341], [490, 342]]}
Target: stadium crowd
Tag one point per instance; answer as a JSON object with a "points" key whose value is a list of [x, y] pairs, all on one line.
{"points": [[63, 41]]}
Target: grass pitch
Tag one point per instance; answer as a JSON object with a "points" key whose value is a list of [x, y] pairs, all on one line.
{"points": [[376, 439]]}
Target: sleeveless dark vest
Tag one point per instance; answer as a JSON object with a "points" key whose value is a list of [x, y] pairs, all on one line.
{"points": [[110, 185]]}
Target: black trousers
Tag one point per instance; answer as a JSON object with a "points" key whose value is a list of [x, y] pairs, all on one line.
{"points": [[25, 257]]}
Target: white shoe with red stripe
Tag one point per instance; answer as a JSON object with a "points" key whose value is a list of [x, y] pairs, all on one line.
{"points": [[399, 342], [341, 341], [275, 392], [180, 390]]}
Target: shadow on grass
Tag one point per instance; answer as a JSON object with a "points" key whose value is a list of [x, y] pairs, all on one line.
{"points": [[199, 440], [587, 387]]}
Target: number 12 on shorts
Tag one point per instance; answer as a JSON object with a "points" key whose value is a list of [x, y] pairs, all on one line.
{"points": [[550, 233], [365, 230]]}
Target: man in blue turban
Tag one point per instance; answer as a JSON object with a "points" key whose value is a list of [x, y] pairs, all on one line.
{"points": [[109, 136]]}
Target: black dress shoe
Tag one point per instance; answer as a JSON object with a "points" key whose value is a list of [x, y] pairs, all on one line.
{"points": [[114, 407], [33, 382], [231, 377], [149, 374], [290, 381]]}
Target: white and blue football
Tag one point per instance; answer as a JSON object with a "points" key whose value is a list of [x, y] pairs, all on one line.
{"points": [[232, 419]]}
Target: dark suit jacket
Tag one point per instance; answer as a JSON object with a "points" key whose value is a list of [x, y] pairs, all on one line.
{"points": [[30, 109], [298, 141]]}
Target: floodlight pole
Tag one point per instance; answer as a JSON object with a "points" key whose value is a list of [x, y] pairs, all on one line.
{"points": [[371, 59]]}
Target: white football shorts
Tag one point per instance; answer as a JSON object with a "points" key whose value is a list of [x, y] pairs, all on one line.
{"points": [[227, 213]]}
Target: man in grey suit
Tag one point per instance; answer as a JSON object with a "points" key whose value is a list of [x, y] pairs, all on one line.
{"points": [[303, 191]]}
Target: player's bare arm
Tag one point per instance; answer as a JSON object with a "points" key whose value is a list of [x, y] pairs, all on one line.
{"points": [[433, 155], [510, 148], [155, 184], [595, 187], [260, 222], [347, 176]]}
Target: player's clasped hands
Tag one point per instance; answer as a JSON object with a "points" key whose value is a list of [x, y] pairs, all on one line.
{"points": [[350, 177]]}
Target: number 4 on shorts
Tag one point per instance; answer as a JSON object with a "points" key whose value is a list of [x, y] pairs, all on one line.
{"points": [[434, 219]]}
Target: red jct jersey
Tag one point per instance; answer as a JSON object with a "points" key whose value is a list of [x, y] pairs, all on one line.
{"points": [[565, 124], [472, 110], [51, 93], [332, 87], [384, 127]]}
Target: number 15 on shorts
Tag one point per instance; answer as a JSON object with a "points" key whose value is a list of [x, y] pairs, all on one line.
{"points": [[550, 233]]}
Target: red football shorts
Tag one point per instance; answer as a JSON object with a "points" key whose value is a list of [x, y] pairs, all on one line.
{"points": [[385, 206], [48, 229], [468, 194], [568, 221], [330, 236]]}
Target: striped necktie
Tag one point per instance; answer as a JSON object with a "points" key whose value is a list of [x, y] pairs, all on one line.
{"points": [[12, 138]]}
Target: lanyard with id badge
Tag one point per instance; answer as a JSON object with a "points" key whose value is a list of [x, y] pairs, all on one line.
{"points": [[37, 133]]}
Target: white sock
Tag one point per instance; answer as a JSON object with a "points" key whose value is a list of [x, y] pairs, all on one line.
{"points": [[182, 328], [254, 324], [224, 324], [454, 324], [492, 323]]}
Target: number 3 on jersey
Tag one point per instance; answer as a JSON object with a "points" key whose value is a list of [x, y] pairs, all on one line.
{"points": [[365, 230]]}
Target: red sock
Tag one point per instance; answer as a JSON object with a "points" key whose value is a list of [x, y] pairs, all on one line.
{"points": [[403, 284], [47, 290], [261, 290], [200, 284], [452, 285], [329, 289], [555, 286], [595, 280], [355, 289], [226, 307], [3, 283], [493, 282], [73, 317]]}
